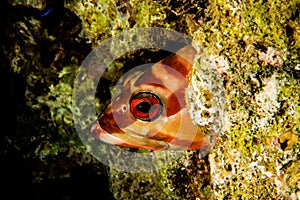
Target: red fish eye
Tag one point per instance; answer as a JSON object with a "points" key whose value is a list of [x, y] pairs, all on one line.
{"points": [[145, 106]]}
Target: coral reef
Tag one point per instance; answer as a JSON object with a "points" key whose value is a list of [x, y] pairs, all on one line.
{"points": [[253, 46], [260, 143]]}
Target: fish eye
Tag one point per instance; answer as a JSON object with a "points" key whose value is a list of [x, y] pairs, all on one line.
{"points": [[145, 106]]}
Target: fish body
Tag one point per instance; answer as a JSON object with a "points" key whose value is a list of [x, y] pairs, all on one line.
{"points": [[151, 110]]}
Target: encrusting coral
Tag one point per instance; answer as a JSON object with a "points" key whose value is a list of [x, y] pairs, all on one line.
{"points": [[253, 46]]}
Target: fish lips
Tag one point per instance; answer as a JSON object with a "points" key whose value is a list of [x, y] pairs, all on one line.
{"points": [[123, 139], [114, 135]]}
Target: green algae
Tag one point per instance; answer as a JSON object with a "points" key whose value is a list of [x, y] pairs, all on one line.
{"points": [[262, 89], [46, 57], [29, 3]]}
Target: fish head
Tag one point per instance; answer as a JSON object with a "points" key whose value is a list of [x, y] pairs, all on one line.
{"points": [[150, 111]]}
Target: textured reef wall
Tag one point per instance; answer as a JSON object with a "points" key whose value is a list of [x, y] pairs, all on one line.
{"points": [[257, 50], [255, 47]]}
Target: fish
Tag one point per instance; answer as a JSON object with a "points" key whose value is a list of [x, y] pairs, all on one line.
{"points": [[45, 13], [151, 111]]}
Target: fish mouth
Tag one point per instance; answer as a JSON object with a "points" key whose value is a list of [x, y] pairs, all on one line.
{"points": [[120, 138]]}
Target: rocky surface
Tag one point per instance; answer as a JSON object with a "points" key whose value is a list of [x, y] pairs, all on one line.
{"points": [[253, 46]]}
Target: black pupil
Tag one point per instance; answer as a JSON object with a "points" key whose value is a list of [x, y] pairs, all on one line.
{"points": [[143, 107]]}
